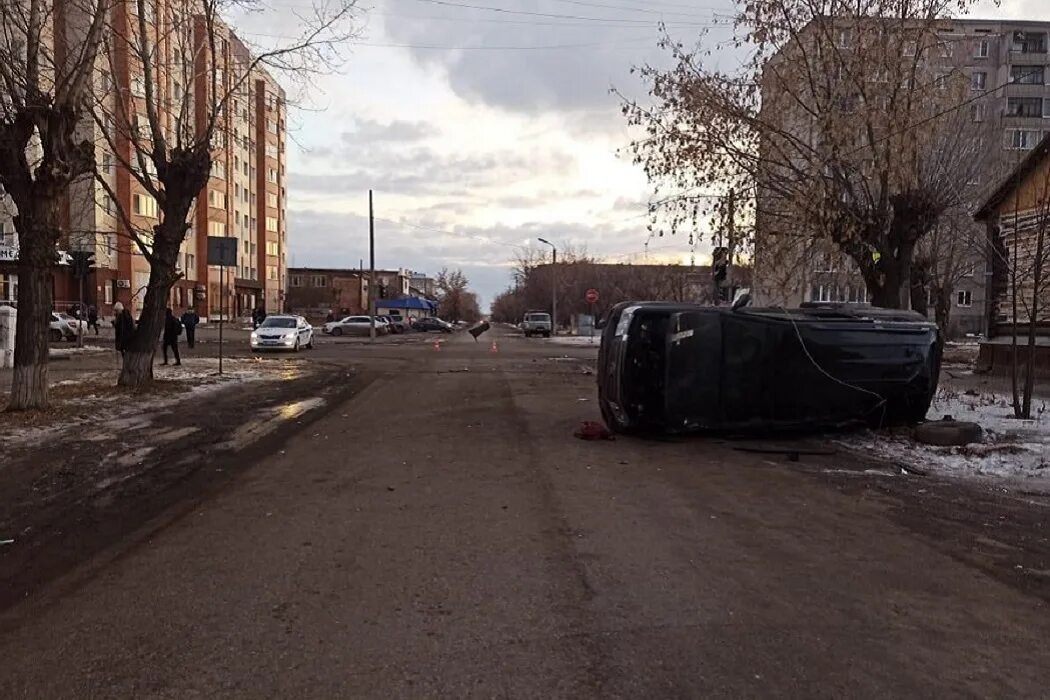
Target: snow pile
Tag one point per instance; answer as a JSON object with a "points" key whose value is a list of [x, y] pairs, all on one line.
{"points": [[577, 340], [1012, 448], [70, 352]]}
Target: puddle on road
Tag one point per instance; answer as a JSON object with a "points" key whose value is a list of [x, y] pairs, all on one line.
{"points": [[269, 420]]}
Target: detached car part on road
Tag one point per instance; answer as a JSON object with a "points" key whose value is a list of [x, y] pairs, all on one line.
{"points": [[680, 368], [283, 333]]}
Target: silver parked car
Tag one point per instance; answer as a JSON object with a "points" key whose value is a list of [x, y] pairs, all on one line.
{"points": [[356, 325]]}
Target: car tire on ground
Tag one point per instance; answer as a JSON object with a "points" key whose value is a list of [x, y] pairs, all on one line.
{"points": [[296, 347], [310, 345], [337, 331]]}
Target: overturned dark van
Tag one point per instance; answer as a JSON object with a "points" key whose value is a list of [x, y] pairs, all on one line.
{"points": [[679, 368]]}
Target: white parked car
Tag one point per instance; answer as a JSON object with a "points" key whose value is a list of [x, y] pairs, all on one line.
{"points": [[356, 325], [65, 327], [283, 333]]}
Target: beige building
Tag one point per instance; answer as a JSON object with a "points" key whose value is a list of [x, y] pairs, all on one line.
{"points": [[245, 198], [1006, 66]]}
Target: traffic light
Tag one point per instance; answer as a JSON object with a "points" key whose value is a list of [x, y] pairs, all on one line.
{"points": [[82, 262], [720, 263]]}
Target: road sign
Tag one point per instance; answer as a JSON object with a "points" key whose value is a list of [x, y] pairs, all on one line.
{"points": [[222, 251], [591, 296]]}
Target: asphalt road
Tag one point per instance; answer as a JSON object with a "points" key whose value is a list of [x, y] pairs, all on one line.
{"points": [[443, 534]]}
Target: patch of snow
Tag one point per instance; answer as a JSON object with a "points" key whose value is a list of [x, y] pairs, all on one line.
{"points": [[86, 350], [1011, 448], [576, 340]]}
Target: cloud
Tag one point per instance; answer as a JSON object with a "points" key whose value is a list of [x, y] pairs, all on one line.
{"points": [[543, 55], [422, 170], [370, 131]]}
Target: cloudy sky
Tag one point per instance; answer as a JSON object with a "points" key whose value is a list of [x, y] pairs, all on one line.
{"points": [[482, 125]]}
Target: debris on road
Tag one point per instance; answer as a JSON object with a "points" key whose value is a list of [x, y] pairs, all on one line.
{"points": [[948, 432], [592, 430], [479, 329]]}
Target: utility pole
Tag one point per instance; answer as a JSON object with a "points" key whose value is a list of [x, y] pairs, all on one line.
{"points": [[372, 268], [554, 285]]}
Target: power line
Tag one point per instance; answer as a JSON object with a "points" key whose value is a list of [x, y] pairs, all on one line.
{"points": [[449, 3], [610, 23], [585, 3]]}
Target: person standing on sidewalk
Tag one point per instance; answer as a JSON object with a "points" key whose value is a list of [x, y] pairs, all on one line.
{"points": [[92, 319], [172, 331], [190, 319], [123, 327]]}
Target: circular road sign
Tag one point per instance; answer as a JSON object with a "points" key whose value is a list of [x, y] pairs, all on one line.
{"points": [[592, 296]]}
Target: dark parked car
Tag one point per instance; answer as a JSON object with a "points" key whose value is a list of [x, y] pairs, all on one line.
{"points": [[666, 367], [431, 323]]}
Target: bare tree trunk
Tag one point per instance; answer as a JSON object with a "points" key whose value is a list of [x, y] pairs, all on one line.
{"points": [[1033, 316], [137, 369], [1015, 395], [36, 257], [29, 381]]}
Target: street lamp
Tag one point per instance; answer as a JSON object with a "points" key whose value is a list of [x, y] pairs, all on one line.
{"points": [[554, 284]]}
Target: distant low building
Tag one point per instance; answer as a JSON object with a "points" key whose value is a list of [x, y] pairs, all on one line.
{"points": [[314, 291], [409, 307]]}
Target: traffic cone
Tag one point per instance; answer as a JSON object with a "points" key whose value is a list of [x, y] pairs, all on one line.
{"points": [[437, 345], [494, 348]]}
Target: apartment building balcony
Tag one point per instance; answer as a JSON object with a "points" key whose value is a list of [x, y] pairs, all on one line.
{"points": [[1019, 58]]}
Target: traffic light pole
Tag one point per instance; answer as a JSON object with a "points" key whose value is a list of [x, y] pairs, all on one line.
{"points": [[80, 320]]}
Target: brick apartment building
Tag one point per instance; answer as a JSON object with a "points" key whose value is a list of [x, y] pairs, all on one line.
{"points": [[1008, 69], [245, 198], [314, 291]]}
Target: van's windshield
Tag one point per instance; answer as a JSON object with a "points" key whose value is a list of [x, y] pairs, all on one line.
{"points": [[538, 317]]}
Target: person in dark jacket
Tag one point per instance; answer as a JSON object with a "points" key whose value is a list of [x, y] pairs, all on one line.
{"points": [[190, 319], [258, 316], [123, 327], [172, 331], [92, 318]]}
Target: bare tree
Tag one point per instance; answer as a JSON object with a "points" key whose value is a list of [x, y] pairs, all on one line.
{"points": [[47, 55], [172, 127], [455, 301], [846, 125]]}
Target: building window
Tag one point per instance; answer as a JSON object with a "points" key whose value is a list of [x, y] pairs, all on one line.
{"points": [[107, 205], [964, 299], [271, 272], [138, 87], [218, 169], [216, 228], [271, 223], [108, 293], [217, 199], [1024, 107], [981, 48], [246, 248], [271, 175], [144, 205], [296, 281], [1022, 139], [271, 126], [271, 248], [978, 80], [911, 47], [271, 199], [968, 270], [940, 81], [320, 281], [1027, 75], [977, 113]]}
